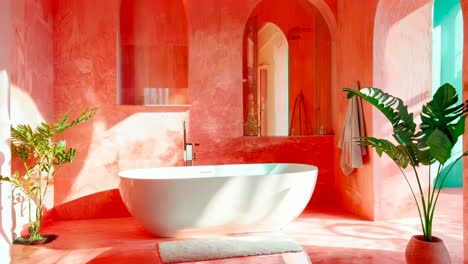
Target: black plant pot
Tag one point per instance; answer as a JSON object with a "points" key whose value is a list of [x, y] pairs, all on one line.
{"points": [[26, 241]]}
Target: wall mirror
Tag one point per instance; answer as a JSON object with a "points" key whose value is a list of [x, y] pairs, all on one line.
{"points": [[286, 70]]}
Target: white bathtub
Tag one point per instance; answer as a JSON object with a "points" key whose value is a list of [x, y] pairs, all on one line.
{"points": [[221, 199]]}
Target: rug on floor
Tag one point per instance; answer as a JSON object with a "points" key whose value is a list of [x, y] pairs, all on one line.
{"points": [[225, 247]]}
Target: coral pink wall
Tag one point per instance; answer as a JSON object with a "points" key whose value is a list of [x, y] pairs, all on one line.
{"points": [[309, 59], [406, 34], [125, 137], [362, 55], [122, 137], [464, 6], [220, 132], [353, 62], [5, 29], [5, 189], [32, 72], [119, 137]]}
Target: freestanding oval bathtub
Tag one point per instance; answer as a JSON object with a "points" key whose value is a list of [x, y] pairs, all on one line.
{"points": [[219, 199]]}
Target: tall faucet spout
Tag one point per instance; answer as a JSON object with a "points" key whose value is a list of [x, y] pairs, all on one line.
{"points": [[189, 155], [185, 138]]}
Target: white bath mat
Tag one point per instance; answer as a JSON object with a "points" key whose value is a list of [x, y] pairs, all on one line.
{"points": [[225, 247]]}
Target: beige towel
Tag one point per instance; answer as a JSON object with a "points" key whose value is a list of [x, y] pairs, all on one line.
{"points": [[351, 154]]}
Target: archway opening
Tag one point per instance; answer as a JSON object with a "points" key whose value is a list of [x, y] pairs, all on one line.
{"points": [[273, 85], [447, 61]]}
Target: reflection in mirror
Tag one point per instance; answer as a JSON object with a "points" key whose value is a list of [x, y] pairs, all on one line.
{"points": [[286, 70], [272, 84], [250, 61], [152, 53]]}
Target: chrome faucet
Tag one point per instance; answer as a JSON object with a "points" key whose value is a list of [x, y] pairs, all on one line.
{"points": [[189, 155]]}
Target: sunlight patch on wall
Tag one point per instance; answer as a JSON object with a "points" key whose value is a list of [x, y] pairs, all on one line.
{"points": [[407, 30], [23, 108], [138, 141]]}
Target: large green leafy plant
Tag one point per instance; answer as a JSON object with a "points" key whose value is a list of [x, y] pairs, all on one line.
{"points": [[442, 123], [42, 153]]}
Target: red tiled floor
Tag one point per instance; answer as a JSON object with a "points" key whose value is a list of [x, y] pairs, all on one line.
{"points": [[328, 236]]}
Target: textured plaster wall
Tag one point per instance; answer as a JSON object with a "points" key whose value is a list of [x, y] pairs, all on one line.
{"points": [[32, 70], [382, 49], [26, 85], [402, 67], [464, 6], [126, 137], [353, 62], [119, 137], [5, 189], [31, 78]]}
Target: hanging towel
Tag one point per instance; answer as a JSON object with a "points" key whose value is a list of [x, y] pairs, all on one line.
{"points": [[351, 154]]}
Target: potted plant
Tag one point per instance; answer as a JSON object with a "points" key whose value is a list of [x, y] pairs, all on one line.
{"points": [[42, 154], [442, 123]]}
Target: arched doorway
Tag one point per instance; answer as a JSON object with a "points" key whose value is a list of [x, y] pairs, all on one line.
{"points": [[409, 62], [273, 83], [447, 60]]}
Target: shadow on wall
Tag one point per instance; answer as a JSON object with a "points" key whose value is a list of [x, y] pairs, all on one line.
{"points": [[106, 204], [118, 142], [92, 143]]}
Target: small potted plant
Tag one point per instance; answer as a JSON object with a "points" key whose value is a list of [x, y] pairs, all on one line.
{"points": [[442, 123], [42, 154]]}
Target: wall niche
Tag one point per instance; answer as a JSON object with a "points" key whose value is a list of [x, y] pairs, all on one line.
{"points": [[152, 53]]}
